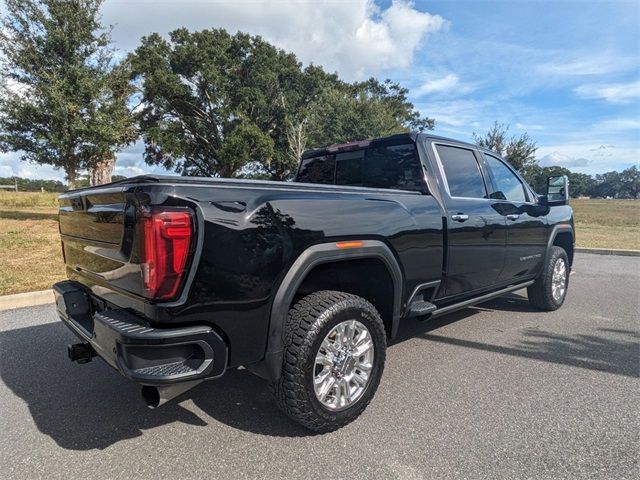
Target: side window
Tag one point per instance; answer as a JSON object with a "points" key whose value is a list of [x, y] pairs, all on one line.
{"points": [[392, 166], [462, 171], [507, 185], [317, 170]]}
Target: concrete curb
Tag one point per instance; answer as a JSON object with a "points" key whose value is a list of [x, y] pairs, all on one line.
{"points": [[29, 299], [609, 251]]}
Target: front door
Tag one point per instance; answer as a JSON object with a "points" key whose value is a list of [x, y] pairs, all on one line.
{"points": [[475, 229], [526, 221]]}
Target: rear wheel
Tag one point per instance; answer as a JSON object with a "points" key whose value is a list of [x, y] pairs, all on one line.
{"points": [[550, 289], [334, 358]]}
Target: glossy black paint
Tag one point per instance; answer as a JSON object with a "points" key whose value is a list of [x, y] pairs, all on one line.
{"points": [[250, 234]]}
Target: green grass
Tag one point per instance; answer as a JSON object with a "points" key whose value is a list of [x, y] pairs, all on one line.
{"points": [[30, 256]]}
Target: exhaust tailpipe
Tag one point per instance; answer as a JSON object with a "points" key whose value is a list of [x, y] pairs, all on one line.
{"points": [[155, 397]]}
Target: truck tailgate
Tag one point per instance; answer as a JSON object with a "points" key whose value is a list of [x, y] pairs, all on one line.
{"points": [[98, 240]]}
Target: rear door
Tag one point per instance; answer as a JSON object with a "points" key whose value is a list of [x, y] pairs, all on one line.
{"points": [[526, 222], [475, 229]]}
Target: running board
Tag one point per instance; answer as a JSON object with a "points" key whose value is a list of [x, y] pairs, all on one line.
{"points": [[476, 300]]}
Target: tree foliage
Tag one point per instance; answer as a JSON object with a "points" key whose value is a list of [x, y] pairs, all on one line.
{"points": [[519, 151], [64, 98], [215, 104]]}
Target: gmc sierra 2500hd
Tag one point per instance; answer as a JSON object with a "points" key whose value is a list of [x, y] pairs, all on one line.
{"points": [[173, 280]]}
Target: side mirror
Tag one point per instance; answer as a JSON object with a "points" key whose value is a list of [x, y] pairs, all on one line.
{"points": [[557, 190]]}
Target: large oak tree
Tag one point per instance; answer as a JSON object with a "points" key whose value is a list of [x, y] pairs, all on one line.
{"points": [[214, 104]]}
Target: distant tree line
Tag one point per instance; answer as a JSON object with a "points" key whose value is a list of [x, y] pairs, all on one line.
{"points": [[31, 185]]}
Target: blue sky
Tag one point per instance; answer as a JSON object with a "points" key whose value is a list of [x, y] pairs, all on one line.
{"points": [[566, 72]]}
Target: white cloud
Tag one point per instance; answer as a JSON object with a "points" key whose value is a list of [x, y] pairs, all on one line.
{"points": [[589, 64], [563, 160], [529, 127], [12, 166], [619, 124], [612, 92], [355, 38], [450, 83]]}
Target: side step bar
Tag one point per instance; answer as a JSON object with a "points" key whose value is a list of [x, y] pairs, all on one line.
{"points": [[476, 300]]}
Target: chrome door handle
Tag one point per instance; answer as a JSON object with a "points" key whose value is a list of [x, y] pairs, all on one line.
{"points": [[460, 217], [513, 217]]}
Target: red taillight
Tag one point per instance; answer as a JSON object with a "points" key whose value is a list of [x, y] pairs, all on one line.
{"points": [[167, 242]]}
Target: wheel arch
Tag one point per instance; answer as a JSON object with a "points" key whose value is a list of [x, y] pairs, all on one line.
{"points": [[312, 257], [562, 236]]}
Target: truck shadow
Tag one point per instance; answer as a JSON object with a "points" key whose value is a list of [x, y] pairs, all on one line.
{"points": [[84, 407]]}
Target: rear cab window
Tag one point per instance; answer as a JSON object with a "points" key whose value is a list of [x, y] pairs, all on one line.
{"points": [[319, 169], [387, 166]]}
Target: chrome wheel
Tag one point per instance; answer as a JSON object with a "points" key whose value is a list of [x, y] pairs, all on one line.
{"points": [[343, 365], [559, 280]]}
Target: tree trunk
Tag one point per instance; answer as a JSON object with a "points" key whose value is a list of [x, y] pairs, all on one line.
{"points": [[71, 178], [100, 172]]}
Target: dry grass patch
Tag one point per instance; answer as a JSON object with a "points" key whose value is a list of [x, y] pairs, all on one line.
{"points": [[28, 199], [30, 252], [607, 223]]}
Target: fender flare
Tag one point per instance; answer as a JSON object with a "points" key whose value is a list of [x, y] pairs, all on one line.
{"points": [[313, 256], [560, 228]]}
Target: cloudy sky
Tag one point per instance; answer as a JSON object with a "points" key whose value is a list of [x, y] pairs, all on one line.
{"points": [[567, 72]]}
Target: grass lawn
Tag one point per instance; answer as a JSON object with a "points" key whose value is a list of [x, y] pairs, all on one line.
{"points": [[607, 223], [30, 257]]}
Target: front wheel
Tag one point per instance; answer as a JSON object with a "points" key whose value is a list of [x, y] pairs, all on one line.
{"points": [[333, 360], [550, 289]]}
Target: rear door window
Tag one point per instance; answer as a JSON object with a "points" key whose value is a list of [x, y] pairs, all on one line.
{"points": [[462, 172]]}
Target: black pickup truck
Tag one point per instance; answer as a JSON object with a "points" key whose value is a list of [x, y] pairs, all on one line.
{"points": [[173, 280]]}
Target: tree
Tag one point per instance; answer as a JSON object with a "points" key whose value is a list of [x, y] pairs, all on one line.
{"points": [[64, 98], [199, 93], [216, 104], [630, 180], [363, 110], [519, 151], [608, 184]]}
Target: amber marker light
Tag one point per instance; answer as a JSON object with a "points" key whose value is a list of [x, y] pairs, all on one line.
{"points": [[350, 244]]}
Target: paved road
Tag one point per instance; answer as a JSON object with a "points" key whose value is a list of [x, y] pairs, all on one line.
{"points": [[498, 391]]}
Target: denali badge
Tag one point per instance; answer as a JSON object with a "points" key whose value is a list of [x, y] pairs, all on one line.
{"points": [[530, 257]]}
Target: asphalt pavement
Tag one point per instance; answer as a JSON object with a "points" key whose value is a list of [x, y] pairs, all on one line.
{"points": [[494, 391]]}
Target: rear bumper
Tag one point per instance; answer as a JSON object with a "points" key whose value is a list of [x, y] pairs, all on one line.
{"points": [[146, 355]]}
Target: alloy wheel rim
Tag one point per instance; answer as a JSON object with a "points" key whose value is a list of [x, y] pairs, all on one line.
{"points": [[559, 280], [343, 365]]}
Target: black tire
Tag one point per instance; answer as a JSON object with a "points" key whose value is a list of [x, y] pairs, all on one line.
{"points": [[308, 322], [541, 292]]}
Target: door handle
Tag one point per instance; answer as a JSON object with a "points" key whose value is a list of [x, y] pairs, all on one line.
{"points": [[460, 217], [513, 217]]}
